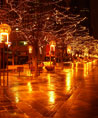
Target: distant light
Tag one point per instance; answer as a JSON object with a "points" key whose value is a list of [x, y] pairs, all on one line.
{"points": [[17, 29], [67, 8], [47, 18], [25, 43], [8, 43]]}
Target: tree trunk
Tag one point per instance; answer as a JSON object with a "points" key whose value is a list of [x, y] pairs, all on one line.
{"points": [[35, 57], [13, 58], [35, 64]]}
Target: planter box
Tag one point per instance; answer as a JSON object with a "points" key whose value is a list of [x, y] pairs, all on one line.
{"points": [[67, 63], [50, 68], [40, 68]]}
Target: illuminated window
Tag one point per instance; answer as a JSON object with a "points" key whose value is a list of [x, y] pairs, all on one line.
{"points": [[23, 43], [4, 37]]}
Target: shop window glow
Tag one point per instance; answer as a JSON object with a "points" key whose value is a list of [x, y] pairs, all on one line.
{"points": [[4, 37], [4, 33]]}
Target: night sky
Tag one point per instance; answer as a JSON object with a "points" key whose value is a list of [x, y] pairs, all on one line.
{"points": [[94, 17], [92, 6]]}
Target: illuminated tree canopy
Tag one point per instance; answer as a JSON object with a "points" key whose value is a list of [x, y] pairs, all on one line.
{"points": [[42, 20]]}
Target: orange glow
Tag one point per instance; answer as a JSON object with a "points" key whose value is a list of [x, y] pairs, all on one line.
{"points": [[90, 65], [52, 50], [76, 67], [52, 43], [69, 74], [51, 86], [51, 97], [52, 47], [84, 70], [9, 44], [72, 65], [5, 28], [47, 63], [51, 94], [29, 87], [30, 49], [68, 49], [68, 82], [16, 94], [16, 97], [94, 61], [2, 35], [87, 68], [28, 72], [49, 82], [66, 70]]}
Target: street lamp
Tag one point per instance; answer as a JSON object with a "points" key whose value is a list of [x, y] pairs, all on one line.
{"points": [[30, 49], [4, 33], [68, 49], [4, 39], [52, 49]]}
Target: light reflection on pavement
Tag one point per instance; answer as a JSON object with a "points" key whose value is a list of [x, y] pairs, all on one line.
{"points": [[51, 94]]}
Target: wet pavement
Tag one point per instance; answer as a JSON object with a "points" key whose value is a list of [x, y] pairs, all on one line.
{"points": [[68, 92]]}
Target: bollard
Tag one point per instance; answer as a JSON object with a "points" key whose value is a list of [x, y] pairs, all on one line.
{"points": [[20, 69]]}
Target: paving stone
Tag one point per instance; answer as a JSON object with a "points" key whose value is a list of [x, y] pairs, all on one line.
{"points": [[65, 93]]}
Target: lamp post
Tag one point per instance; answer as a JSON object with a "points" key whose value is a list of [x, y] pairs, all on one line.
{"points": [[4, 41], [68, 49], [52, 49], [69, 52], [30, 49]]}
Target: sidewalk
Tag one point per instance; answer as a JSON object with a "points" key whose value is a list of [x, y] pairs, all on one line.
{"points": [[84, 102], [60, 94]]}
